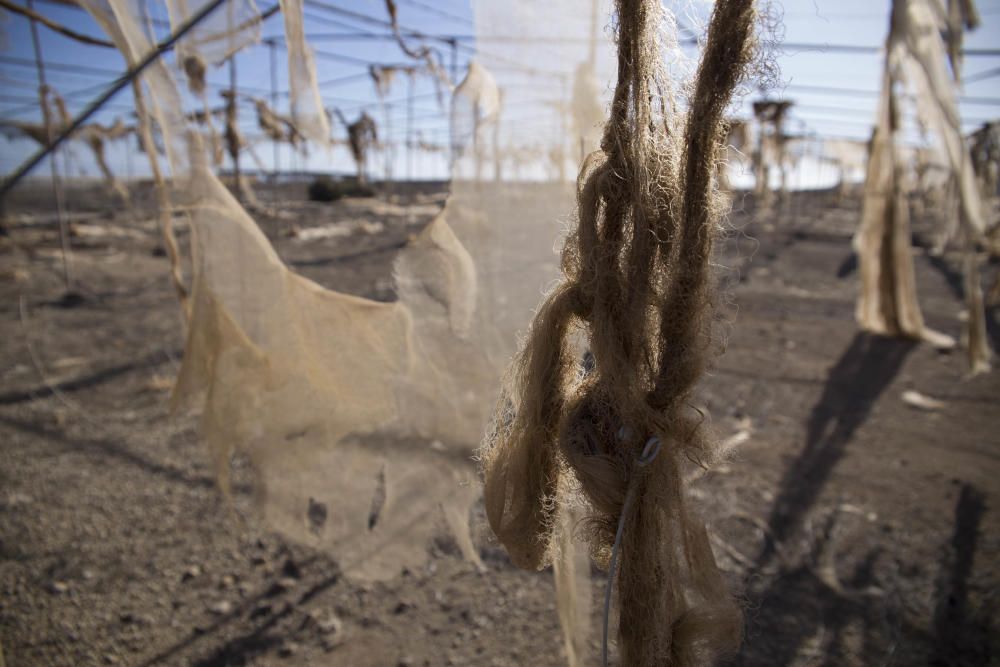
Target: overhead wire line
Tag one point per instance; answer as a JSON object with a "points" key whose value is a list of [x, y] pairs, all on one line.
{"points": [[430, 9], [34, 16], [154, 54], [371, 20], [858, 92]]}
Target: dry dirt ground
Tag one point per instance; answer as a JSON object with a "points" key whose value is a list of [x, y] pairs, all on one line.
{"points": [[855, 528]]}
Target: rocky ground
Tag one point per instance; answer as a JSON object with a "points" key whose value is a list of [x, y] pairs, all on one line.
{"points": [[856, 528]]}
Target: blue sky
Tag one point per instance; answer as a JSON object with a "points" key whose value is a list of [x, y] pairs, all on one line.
{"points": [[78, 72]]}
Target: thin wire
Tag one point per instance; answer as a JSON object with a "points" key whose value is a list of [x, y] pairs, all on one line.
{"points": [[439, 12], [44, 93], [32, 15], [649, 452], [371, 20], [982, 76], [64, 67], [860, 92], [115, 87]]}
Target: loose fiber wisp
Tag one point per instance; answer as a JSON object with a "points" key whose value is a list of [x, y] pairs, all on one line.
{"points": [[637, 289]]}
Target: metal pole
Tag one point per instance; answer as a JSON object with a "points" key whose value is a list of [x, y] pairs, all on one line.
{"points": [[452, 148], [274, 105], [387, 149], [57, 191], [592, 55], [409, 130], [454, 61], [233, 101]]}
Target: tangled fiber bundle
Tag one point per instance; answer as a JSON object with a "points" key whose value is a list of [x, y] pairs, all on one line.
{"points": [[637, 282]]}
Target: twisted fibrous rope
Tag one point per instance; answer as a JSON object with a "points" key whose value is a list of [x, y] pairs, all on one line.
{"points": [[637, 284]]}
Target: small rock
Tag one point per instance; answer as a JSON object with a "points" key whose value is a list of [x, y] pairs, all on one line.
{"points": [[192, 572], [227, 581], [59, 587], [281, 586], [16, 499], [406, 661], [288, 649], [922, 402], [221, 608], [330, 624], [402, 607]]}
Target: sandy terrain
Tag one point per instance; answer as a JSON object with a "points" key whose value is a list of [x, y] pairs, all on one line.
{"points": [[855, 528]]}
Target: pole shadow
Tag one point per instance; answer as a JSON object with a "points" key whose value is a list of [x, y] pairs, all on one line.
{"points": [[864, 371], [960, 638]]}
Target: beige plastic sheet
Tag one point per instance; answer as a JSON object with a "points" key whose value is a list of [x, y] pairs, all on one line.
{"points": [[916, 48], [915, 54], [475, 107], [227, 30], [307, 109], [888, 301], [346, 408]]}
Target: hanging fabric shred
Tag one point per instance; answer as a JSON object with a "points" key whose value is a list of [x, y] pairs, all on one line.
{"points": [[307, 110], [915, 56]]}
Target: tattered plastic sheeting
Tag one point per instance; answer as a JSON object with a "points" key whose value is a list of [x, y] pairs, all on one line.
{"points": [[120, 20], [475, 107], [220, 35], [737, 146], [275, 126], [94, 135], [915, 54], [588, 109], [888, 301], [850, 157], [306, 105], [985, 151], [552, 63], [916, 48], [770, 153], [362, 135], [301, 379], [962, 16], [571, 568], [554, 92], [358, 416], [976, 337]]}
